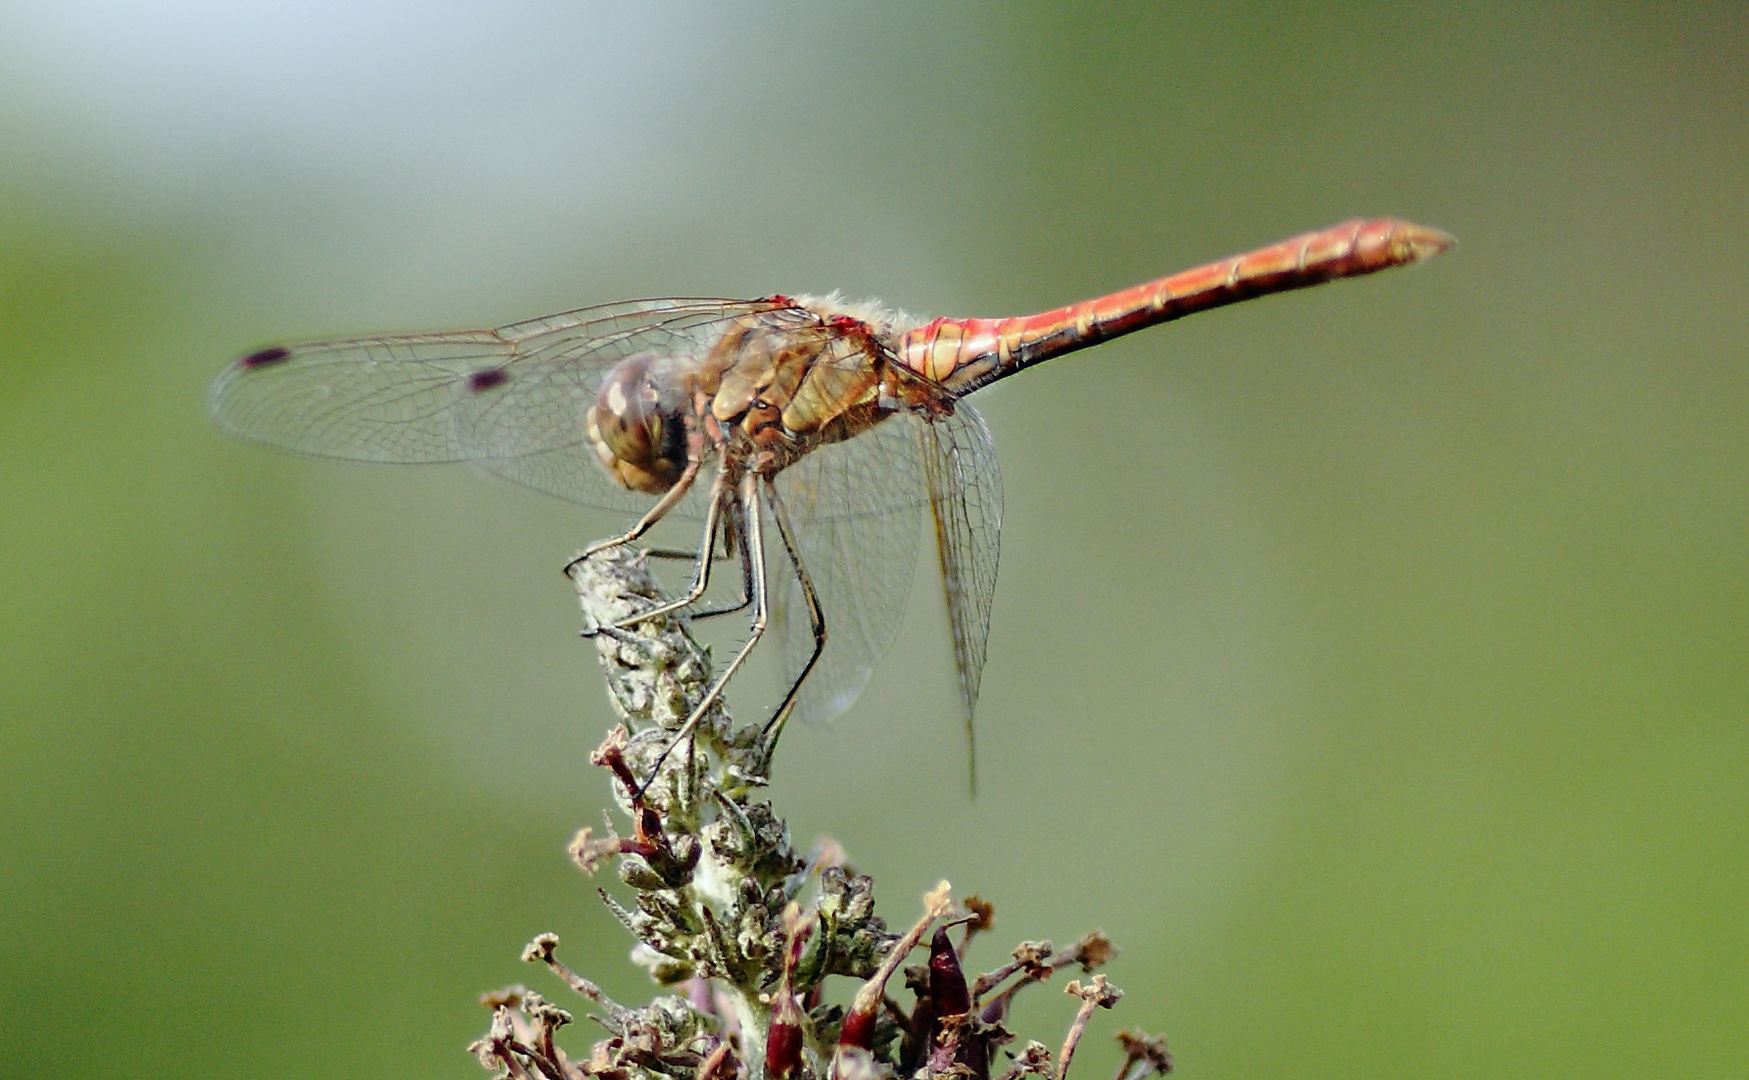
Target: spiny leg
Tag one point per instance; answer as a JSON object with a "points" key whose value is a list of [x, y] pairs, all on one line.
{"points": [[761, 612], [816, 623], [746, 592], [720, 552], [725, 553], [701, 577], [692, 557]]}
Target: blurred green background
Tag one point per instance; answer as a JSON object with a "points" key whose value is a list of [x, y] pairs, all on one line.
{"points": [[1371, 663]]}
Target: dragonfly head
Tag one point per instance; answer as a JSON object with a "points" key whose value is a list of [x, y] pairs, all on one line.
{"points": [[638, 426]]}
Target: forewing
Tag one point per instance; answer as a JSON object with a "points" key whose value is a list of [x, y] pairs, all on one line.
{"points": [[364, 399], [965, 499], [857, 511], [511, 400]]}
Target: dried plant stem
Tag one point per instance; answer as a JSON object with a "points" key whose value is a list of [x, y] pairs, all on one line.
{"points": [[726, 908]]}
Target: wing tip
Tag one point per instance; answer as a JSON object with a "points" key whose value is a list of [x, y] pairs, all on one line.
{"points": [[219, 392], [261, 358]]}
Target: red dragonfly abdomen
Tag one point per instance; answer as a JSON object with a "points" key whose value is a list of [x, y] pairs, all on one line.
{"points": [[964, 354]]}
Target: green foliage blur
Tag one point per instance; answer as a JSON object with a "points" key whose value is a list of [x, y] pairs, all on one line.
{"points": [[1371, 663]]}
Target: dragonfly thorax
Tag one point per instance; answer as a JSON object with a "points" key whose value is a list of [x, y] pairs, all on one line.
{"points": [[638, 430]]}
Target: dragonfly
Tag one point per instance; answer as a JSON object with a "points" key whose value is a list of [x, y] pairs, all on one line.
{"points": [[840, 427]]}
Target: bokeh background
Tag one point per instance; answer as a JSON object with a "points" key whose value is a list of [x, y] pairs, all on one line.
{"points": [[1371, 663]]}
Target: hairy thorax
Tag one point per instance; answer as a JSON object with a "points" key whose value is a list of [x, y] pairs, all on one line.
{"points": [[771, 387]]}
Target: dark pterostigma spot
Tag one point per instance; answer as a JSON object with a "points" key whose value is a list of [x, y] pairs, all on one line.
{"points": [[489, 379], [263, 357]]}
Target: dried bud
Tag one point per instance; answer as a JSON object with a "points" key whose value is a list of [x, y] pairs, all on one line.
{"points": [[510, 995], [637, 873], [1144, 1055], [784, 1042], [858, 1030], [1035, 1060], [493, 1050], [1098, 993], [544, 1011], [981, 916], [1093, 951], [983, 913], [540, 949], [947, 983], [783, 1045], [859, 1021]]}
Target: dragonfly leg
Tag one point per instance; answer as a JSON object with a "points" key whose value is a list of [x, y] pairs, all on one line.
{"points": [[816, 623], [701, 577], [667, 502], [761, 615], [746, 592], [682, 555]]}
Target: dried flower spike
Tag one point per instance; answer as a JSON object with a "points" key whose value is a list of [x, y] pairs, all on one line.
{"points": [[723, 907]]}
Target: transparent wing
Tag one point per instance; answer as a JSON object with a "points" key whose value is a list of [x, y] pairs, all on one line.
{"points": [[857, 507], [965, 499], [510, 400], [860, 563]]}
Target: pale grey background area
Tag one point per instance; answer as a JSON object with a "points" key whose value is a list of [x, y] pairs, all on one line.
{"points": [[1369, 663]]}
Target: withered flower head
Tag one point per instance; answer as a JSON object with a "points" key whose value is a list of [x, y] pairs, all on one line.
{"points": [[723, 907]]}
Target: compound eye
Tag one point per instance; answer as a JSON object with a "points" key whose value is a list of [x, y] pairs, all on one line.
{"points": [[636, 432]]}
